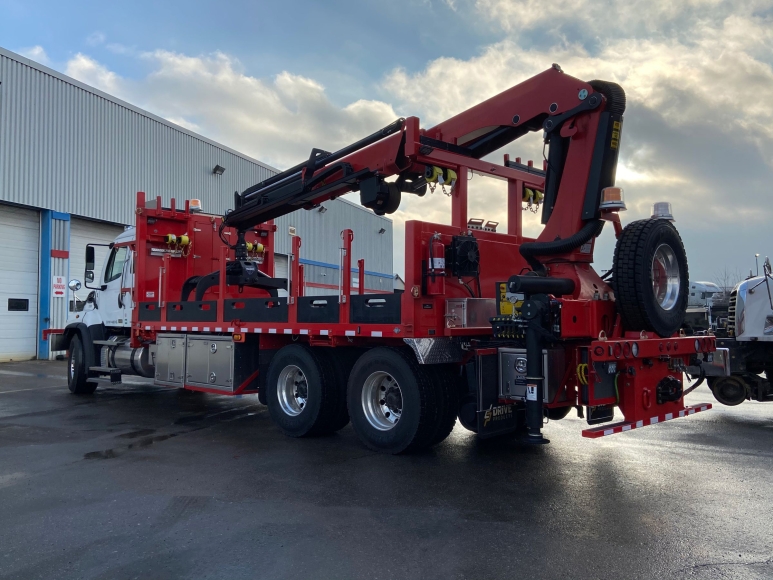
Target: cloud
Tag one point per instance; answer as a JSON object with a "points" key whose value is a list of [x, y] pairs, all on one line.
{"points": [[95, 39], [275, 120], [36, 53], [698, 129]]}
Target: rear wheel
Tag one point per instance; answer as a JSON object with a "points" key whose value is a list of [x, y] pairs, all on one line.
{"points": [[303, 396], [730, 391], [651, 278], [77, 373], [392, 402]]}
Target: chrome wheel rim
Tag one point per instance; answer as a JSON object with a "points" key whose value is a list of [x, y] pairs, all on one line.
{"points": [[292, 390], [72, 367], [382, 401], [665, 277]]}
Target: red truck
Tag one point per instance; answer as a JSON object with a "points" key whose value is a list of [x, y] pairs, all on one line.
{"points": [[494, 328]]}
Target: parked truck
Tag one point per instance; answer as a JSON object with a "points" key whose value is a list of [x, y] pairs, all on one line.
{"points": [[748, 337], [494, 329]]}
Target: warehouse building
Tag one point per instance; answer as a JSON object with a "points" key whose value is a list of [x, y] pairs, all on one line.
{"points": [[71, 161]]}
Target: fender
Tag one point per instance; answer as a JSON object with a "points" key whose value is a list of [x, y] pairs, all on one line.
{"points": [[87, 334]]}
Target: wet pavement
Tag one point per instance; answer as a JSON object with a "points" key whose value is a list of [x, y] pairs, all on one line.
{"points": [[139, 481]]}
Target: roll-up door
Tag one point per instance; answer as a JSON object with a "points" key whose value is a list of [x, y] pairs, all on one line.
{"points": [[19, 261]]}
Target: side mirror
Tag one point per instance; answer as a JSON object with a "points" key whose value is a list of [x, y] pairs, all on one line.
{"points": [[74, 285], [89, 257], [768, 268], [89, 274]]}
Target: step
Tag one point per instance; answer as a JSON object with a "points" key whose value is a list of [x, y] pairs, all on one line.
{"points": [[103, 381], [105, 343], [114, 378]]}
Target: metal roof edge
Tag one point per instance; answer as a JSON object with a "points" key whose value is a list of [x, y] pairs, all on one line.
{"points": [[62, 77]]}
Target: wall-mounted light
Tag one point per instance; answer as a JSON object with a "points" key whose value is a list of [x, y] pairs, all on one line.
{"points": [[218, 170], [382, 231], [322, 209]]}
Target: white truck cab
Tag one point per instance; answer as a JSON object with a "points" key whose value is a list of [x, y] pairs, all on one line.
{"points": [[110, 303], [97, 338]]}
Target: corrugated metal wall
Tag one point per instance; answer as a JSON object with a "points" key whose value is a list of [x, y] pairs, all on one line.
{"points": [[70, 148], [320, 234]]}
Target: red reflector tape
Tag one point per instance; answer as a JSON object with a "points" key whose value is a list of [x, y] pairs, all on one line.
{"points": [[620, 427]]}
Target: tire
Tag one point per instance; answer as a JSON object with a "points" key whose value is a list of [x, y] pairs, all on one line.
{"points": [[447, 393], [730, 391], [342, 361], [77, 373], [410, 389], [650, 253], [314, 377], [558, 413]]}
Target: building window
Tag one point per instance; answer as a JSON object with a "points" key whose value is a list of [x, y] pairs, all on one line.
{"points": [[18, 305]]}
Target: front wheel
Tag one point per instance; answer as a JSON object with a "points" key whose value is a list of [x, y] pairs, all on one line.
{"points": [[77, 373]]}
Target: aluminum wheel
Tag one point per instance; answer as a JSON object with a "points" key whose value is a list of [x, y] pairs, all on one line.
{"points": [[665, 277], [292, 390], [382, 401]]}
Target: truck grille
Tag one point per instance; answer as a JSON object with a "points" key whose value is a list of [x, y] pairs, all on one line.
{"points": [[731, 314]]}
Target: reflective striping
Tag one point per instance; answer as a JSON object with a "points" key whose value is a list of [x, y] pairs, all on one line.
{"points": [[349, 333], [147, 328], [230, 330], [173, 328], [288, 331], [218, 329], [195, 329], [258, 330], [375, 333], [621, 427], [272, 330], [244, 329], [324, 332], [304, 331], [206, 329], [184, 329], [163, 328]]}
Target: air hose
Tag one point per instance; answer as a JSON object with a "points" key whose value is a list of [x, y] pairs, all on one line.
{"points": [[532, 249]]}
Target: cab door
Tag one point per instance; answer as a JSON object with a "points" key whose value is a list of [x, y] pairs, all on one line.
{"points": [[115, 300]]}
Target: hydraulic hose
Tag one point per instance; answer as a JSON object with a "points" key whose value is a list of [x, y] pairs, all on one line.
{"points": [[531, 250]]}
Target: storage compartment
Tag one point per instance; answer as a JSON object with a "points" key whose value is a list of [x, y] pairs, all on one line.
{"points": [[512, 373], [256, 309], [216, 362], [375, 308], [170, 359], [194, 311], [210, 362], [470, 312], [318, 309]]}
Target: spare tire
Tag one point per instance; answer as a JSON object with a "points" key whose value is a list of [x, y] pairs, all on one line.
{"points": [[651, 279]]}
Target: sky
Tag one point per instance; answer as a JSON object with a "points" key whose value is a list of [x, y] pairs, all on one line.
{"points": [[274, 79]]}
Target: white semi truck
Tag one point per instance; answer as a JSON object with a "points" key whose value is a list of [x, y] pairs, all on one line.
{"points": [[749, 338]]}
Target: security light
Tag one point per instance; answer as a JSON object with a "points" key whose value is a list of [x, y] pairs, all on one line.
{"points": [[382, 231], [218, 170]]}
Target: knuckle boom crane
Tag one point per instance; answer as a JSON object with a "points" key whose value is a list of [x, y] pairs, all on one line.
{"points": [[494, 328]]}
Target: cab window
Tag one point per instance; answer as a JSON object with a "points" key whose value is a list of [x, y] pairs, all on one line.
{"points": [[115, 263]]}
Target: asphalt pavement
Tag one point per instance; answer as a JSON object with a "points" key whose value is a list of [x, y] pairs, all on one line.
{"points": [[145, 482]]}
